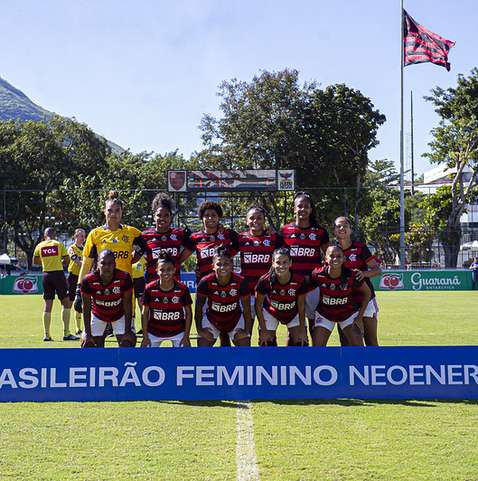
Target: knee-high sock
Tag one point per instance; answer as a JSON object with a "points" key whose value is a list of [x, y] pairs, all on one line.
{"points": [[46, 317], [65, 317], [78, 321]]}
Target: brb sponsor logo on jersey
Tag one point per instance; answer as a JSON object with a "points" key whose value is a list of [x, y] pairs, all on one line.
{"points": [[391, 281], [173, 251], [257, 258], [334, 301], [224, 307], [166, 316], [302, 251]]}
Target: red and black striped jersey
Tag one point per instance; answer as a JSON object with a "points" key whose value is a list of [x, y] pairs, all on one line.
{"points": [[167, 316], [338, 297], [304, 245], [107, 300], [281, 299], [153, 242], [356, 257], [205, 246], [256, 255], [224, 308]]}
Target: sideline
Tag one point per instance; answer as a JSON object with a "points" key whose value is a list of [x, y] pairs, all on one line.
{"points": [[246, 460]]}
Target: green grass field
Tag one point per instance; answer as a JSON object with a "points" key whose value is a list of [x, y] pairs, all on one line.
{"points": [[294, 440]]}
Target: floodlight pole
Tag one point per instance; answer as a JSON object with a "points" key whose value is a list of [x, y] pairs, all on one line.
{"points": [[402, 173]]}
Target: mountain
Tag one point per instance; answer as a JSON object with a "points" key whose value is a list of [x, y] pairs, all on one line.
{"points": [[15, 105]]}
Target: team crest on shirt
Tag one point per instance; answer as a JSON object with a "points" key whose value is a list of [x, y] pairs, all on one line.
{"points": [[352, 257], [220, 237], [267, 242], [173, 237], [312, 236], [175, 300], [125, 238], [291, 292], [233, 292], [116, 290]]}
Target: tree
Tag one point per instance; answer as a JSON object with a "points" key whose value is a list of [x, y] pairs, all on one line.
{"points": [[35, 158], [273, 122], [455, 144]]}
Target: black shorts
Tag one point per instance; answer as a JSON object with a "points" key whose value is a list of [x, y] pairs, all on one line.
{"points": [[72, 283], [139, 285], [54, 282]]}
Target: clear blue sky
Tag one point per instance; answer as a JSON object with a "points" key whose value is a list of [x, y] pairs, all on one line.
{"points": [[143, 73]]}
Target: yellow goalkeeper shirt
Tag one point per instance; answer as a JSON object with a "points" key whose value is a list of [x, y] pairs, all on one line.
{"points": [[120, 241]]}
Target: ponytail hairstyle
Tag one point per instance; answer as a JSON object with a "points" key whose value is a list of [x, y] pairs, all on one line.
{"points": [[313, 214], [113, 197], [164, 201], [257, 207], [165, 256], [281, 251]]}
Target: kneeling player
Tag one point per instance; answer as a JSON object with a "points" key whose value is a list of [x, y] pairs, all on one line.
{"points": [[228, 304], [166, 307], [339, 288], [106, 295], [280, 298]]}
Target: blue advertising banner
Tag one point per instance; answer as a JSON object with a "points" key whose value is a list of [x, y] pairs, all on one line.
{"points": [[238, 373]]}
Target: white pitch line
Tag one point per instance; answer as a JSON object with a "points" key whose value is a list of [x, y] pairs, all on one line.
{"points": [[246, 460]]}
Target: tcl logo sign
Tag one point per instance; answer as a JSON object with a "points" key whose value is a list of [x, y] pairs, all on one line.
{"points": [[49, 251]]}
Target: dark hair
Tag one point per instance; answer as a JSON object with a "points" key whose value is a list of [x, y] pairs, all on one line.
{"points": [[165, 256], [113, 197], [221, 251], [209, 205], [256, 207], [345, 271], [313, 215], [281, 251], [163, 200], [346, 219], [101, 254]]}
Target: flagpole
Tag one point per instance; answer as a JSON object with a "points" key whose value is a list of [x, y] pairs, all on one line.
{"points": [[402, 191]]}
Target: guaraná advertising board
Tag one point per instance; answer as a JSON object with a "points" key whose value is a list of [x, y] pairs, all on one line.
{"points": [[117, 374], [424, 280]]}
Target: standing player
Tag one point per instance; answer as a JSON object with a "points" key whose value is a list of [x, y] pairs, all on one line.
{"points": [[167, 311], [107, 294], [75, 251], [339, 291], [162, 237], [280, 298], [207, 240], [51, 255], [307, 241], [365, 266], [120, 239], [256, 246], [228, 304]]}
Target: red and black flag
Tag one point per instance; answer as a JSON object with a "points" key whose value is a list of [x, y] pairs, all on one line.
{"points": [[422, 45]]}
